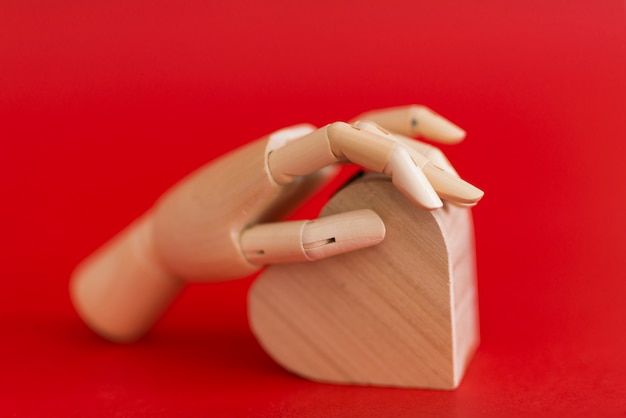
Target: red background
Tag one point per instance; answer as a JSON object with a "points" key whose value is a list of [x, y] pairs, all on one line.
{"points": [[103, 105]]}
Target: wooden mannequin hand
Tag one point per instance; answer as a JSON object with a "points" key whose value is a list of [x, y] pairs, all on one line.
{"points": [[219, 222]]}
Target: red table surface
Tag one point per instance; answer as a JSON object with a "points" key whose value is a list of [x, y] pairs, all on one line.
{"points": [[104, 105]]}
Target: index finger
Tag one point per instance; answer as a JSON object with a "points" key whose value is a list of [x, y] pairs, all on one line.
{"points": [[416, 120]]}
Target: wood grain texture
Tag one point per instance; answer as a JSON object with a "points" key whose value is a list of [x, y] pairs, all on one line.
{"points": [[403, 313]]}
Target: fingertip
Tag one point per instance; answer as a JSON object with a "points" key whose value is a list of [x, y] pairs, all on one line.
{"points": [[433, 204], [411, 180], [341, 233], [434, 126], [456, 134], [451, 187]]}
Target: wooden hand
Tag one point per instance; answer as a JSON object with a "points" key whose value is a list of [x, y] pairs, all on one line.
{"points": [[221, 221]]}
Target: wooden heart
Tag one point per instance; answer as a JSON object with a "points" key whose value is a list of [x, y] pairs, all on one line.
{"points": [[403, 313]]}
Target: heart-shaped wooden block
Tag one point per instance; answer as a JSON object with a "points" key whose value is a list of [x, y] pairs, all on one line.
{"points": [[403, 313]]}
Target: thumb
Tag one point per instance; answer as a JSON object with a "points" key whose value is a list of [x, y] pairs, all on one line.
{"points": [[298, 241]]}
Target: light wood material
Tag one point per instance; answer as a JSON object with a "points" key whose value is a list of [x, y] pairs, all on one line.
{"points": [[122, 288], [329, 144], [194, 231], [416, 120], [376, 149], [297, 241], [192, 234], [442, 181], [403, 313]]}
